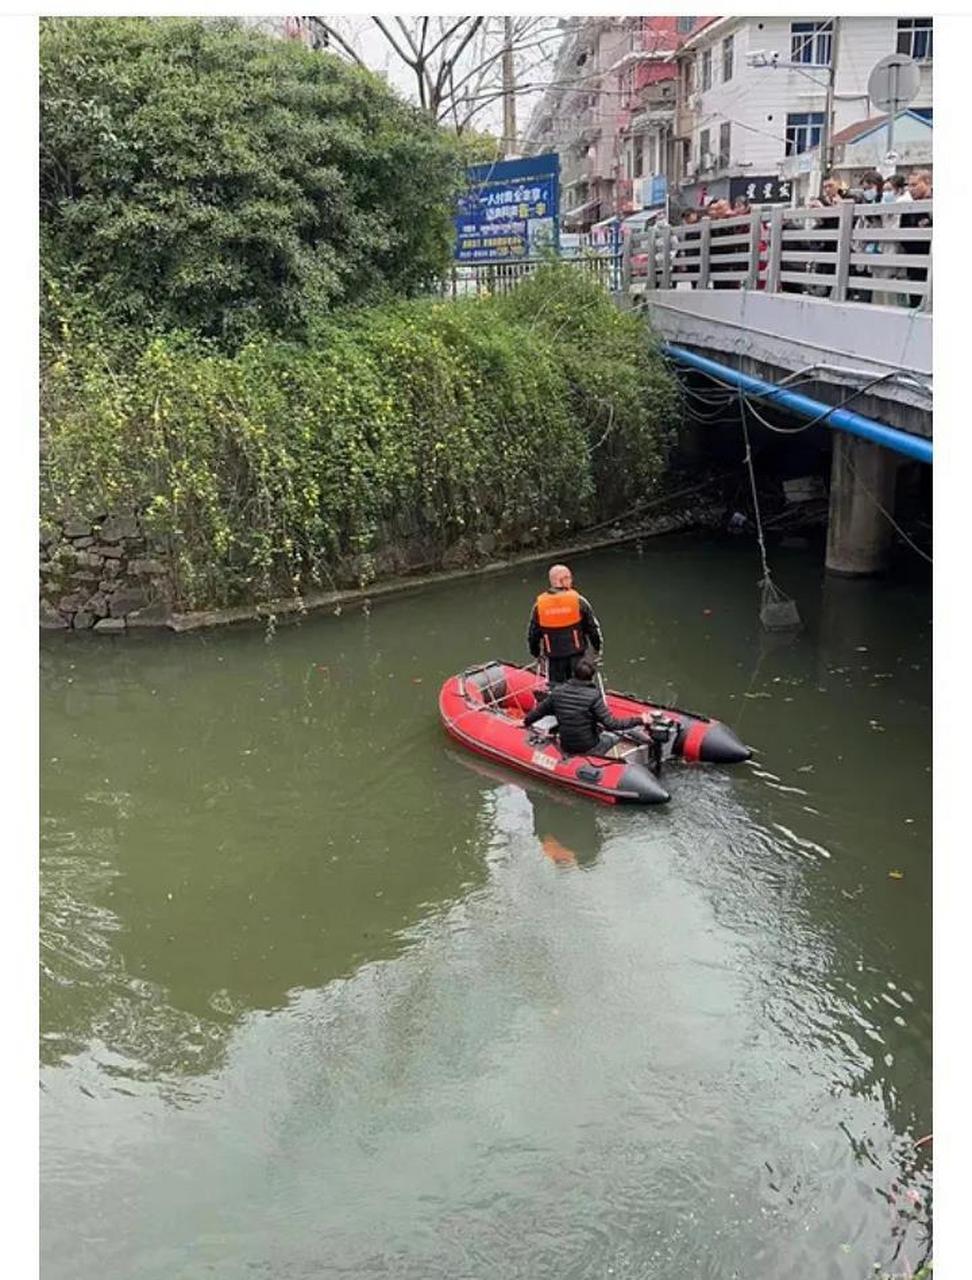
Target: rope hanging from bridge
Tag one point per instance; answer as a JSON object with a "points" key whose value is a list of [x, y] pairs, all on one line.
{"points": [[777, 610]]}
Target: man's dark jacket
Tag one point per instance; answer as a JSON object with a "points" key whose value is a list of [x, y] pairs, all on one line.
{"points": [[580, 710]]}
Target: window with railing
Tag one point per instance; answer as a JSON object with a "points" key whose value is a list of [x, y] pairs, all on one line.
{"points": [[915, 38], [811, 42], [706, 70], [803, 131], [727, 47], [725, 139], [704, 148]]}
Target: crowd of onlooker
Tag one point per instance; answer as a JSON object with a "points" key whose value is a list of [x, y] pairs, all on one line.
{"points": [[814, 256]]}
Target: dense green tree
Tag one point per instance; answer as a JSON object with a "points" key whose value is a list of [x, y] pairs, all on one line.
{"points": [[200, 175]]}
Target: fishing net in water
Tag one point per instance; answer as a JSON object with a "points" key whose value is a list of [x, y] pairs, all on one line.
{"points": [[777, 611]]}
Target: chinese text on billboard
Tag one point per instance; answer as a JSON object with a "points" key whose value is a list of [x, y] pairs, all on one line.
{"points": [[509, 211]]}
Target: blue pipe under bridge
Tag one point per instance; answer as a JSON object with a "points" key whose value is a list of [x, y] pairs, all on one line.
{"points": [[842, 419]]}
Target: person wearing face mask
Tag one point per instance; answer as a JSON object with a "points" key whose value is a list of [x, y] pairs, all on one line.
{"points": [[895, 192], [872, 186], [896, 189]]}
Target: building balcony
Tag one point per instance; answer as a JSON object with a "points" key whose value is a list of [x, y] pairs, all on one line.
{"points": [[686, 118]]}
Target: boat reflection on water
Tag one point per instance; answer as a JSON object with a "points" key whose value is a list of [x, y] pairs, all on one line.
{"points": [[567, 829], [558, 852], [565, 825]]}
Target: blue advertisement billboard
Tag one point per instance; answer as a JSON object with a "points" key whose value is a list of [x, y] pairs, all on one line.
{"points": [[509, 211]]}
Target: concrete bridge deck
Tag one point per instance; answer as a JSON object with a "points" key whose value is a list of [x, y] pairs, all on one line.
{"points": [[839, 345], [837, 300]]}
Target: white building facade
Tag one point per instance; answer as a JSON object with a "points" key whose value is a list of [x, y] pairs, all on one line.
{"points": [[742, 122], [579, 116]]}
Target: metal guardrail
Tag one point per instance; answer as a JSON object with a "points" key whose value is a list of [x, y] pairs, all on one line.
{"points": [[848, 253], [480, 278]]}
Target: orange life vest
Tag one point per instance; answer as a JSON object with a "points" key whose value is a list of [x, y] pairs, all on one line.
{"points": [[559, 615]]}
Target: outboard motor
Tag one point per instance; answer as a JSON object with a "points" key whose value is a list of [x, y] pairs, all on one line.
{"points": [[661, 733]]}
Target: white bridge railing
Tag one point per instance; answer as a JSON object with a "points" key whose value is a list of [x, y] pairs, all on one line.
{"points": [[848, 253], [475, 278]]}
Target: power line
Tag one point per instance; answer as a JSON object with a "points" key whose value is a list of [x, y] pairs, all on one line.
{"points": [[887, 515], [746, 405]]}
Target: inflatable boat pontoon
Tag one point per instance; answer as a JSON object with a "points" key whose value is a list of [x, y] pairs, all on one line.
{"points": [[483, 708]]}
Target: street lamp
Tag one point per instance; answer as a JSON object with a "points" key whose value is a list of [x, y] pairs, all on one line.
{"points": [[759, 58]]}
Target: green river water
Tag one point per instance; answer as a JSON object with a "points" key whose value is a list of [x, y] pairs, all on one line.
{"points": [[323, 996]]}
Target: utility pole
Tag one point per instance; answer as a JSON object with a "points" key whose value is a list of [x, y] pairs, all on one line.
{"points": [[826, 140], [509, 90]]}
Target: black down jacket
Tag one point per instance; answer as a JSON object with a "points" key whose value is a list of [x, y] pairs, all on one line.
{"points": [[581, 712]]}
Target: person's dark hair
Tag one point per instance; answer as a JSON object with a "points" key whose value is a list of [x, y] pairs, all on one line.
{"points": [[584, 669], [898, 181], [872, 179]]}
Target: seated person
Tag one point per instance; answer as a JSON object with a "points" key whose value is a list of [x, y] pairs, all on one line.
{"points": [[581, 712]]}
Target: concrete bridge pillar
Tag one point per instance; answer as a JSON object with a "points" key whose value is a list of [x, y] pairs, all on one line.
{"points": [[862, 474]]}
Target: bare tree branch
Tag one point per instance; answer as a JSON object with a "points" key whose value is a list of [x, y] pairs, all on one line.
{"points": [[473, 28], [393, 42], [454, 60], [493, 59], [447, 64], [446, 37], [333, 34], [416, 50]]}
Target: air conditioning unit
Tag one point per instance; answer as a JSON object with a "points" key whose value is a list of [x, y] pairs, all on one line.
{"points": [[691, 168], [708, 160]]}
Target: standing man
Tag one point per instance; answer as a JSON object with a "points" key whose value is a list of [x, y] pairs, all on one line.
{"points": [[561, 625], [920, 188], [832, 191]]}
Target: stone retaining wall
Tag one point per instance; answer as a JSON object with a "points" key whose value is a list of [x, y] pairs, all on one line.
{"points": [[101, 575], [106, 576]]}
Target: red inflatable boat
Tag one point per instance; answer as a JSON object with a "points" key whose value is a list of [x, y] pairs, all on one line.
{"points": [[483, 708]]}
